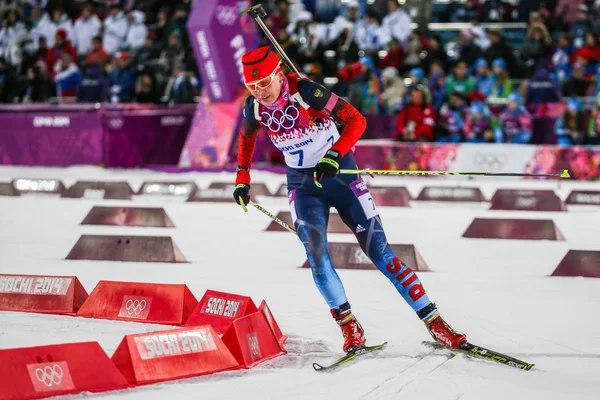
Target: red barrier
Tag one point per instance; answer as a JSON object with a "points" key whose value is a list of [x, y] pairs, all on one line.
{"points": [[529, 200], [42, 294], [128, 216], [220, 309], [519, 229], [579, 263], [174, 354], [44, 371], [251, 340], [105, 190], [281, 338], [584, 198], [452, 194], [154, 303], [126, 248]]}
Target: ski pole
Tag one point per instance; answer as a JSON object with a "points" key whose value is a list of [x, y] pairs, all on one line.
{"points": [[268, 214], [564, 174]]}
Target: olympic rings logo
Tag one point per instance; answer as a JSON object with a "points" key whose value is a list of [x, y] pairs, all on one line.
{"points": [[490, 160], [49, 376], [135, 307], [281, 119]]}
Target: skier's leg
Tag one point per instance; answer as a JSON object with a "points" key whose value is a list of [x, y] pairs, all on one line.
{"points": [[310, 214]]}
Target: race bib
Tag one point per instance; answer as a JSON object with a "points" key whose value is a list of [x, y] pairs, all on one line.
{"points": [[364, 197]]}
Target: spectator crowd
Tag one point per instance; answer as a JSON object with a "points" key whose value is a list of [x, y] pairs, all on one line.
{"points": [[477, 86], [97, 51]]}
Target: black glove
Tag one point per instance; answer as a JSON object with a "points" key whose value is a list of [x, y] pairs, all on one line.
{"points": [[242, 190], [327, 167]]}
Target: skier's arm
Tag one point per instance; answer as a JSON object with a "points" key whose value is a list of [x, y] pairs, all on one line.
{"points": [[247, 142], [342, 112]]}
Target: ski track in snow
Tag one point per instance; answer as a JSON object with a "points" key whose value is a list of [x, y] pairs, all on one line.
{"points": [[498, 292]]}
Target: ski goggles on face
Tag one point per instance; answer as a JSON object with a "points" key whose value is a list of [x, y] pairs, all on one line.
{"points": [[264, 82]]}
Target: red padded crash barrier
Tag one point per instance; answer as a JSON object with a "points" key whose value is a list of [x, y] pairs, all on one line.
{"points": [[155, 303], [336, 225], [579, 263], [530, 200], [584, 198], [128, 216], [220, 309], [126, 248], [351, 256], [7, 189], [174, 354], [251, 340], [518, 229], [42, 294], [452, 194], [105, 190], [44, 371], [281, 338]]}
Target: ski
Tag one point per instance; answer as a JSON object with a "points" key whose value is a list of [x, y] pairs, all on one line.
{"points": [[349, 356], [472, 350]]}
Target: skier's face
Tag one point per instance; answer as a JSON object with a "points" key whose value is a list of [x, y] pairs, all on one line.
{"points": [[267, 90]]}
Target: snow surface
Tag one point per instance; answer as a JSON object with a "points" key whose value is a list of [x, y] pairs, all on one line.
{"points": [[498, 292]]}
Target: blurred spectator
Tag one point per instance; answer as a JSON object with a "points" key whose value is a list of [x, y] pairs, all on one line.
{"points": [[364, 92], [67, 79], [173, 54], [12, 30], [514, 123], [478, 126], [561, 59], [394, 57], [483, 78], [37, 86], [459, 81], [417, 80], [469, 51], [136, 35], [578, 85], [570, 127], [416, 120], [593, 136], [148, 52], [437, 88], [368, 35], [536, 50], [85, 29], [97, 53], [60, 21], [451, 122], [121, 79], [435, 53], [182, 89], [115, 29], [396, 24], [581, 26], [393, 90], [413, 56], [178, 24], [501, 49], [40, 25], [146, 89], [502, 86], [541, 89], [93, 85], [162, 28], [467, 12], [8, 82], [62, 46], [345, 19]]}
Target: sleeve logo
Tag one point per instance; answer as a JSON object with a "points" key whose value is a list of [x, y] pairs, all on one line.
{"points": [[318, 93]]}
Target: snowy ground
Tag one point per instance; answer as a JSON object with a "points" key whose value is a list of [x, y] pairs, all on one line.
{"points": [[498, 292]]}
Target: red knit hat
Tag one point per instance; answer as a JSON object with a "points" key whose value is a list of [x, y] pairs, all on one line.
{"points": [[259, 63]]}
